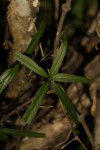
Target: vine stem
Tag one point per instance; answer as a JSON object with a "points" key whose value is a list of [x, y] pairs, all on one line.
{"points": [[65, 8], [87, 131]]}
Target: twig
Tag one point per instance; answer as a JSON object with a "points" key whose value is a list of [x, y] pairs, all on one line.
{"points": [[16, 110], [60, 144], [56, 14], [75, 139], [85, 148], [20, 108], [94, 106], [65, 8], [87, 131], [63, 143]]}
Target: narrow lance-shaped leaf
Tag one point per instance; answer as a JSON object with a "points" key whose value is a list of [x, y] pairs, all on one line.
{"points": [[62, 77], [58, 59], [66, 101], [36, 102], [22, 133], [29, 63], [36, 38], [7, 77]]}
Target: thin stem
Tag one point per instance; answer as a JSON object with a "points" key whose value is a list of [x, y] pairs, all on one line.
{"points": [[75, 139], [65, 8], [87, 131]]}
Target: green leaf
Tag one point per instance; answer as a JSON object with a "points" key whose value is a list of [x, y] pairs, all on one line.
{"points": [[37, 37], [7, 77], [29, 63], [66, 101], [22, 133], [58, 59], [36, 102], [62, 77], [3, 136]]}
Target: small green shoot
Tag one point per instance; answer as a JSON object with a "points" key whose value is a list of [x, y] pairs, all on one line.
{"points": [[52, 76]]}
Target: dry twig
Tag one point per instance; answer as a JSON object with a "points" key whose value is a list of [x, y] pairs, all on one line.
{"points": [[65, 8], [87, 131]]}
